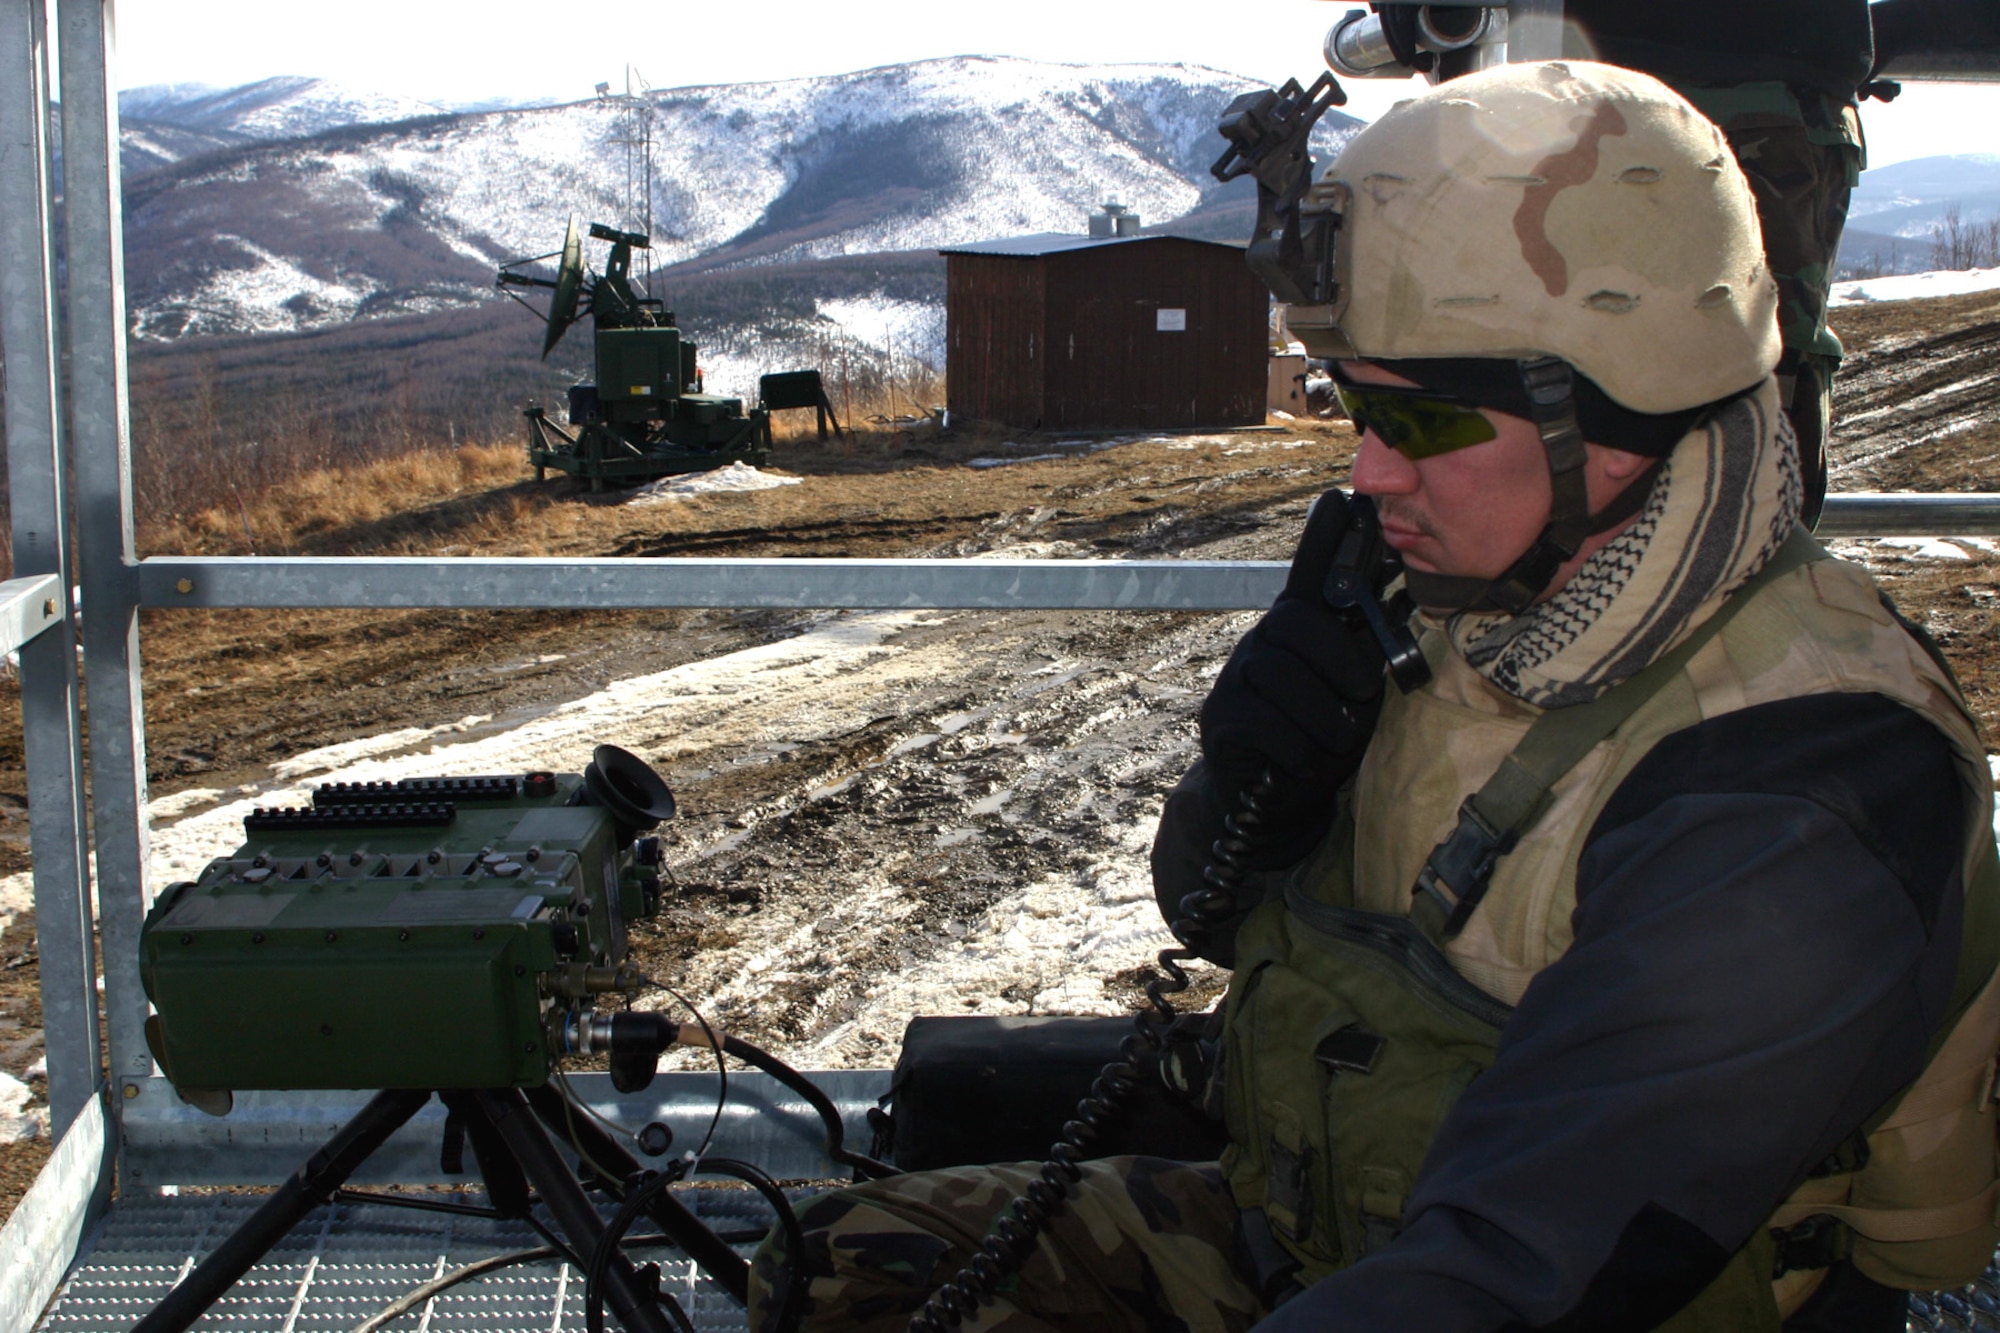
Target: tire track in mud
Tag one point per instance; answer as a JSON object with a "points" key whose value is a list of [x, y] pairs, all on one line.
{"points": [[1920, 409], [980, 844], [836, 533], [981, 849]]}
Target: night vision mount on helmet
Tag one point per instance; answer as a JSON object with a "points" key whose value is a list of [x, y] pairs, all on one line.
{"points": [[645, 415]]}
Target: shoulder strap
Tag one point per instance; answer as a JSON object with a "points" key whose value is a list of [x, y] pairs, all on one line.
{"points": [[1491, 820]]}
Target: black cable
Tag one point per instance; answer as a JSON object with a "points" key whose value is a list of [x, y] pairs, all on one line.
{"points": [[444, 1282], [650, 1183], [559, 1243], [416, 1296], [1215, 906], [556, 1243], [721, 1065], [790, 1309], [418, 1202], [653, 1182], [836, 1132], [571, 1105], [657, 1032], [1014, 1236]]}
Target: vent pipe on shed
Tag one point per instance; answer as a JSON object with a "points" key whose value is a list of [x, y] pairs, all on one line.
{"points": [[1115, 220]]}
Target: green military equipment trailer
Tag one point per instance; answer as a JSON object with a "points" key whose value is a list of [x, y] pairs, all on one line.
{"points": [[645, 415]]}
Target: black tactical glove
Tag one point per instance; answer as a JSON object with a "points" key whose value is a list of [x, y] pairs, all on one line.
{"points": [[1298, 698]]}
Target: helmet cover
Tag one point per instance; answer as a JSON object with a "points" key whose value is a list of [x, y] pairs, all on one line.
{"points": [[1557, 208]]}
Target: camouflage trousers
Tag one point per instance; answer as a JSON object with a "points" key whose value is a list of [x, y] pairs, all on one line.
{"points": [[1143, 1244]]}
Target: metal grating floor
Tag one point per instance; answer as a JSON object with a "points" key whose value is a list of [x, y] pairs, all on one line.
{"points": [[346, 1262], [1975, 1309]]}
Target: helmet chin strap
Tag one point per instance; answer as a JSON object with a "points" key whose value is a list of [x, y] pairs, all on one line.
{"points": [[1552, 402]]}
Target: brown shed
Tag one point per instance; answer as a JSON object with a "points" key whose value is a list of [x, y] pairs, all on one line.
{"points": [[1068, 332]]}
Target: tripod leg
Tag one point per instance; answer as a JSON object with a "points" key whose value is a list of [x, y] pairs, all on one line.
{"points": [[308, 1187], [710, 1253], [637, 1310], [506, 1187]]}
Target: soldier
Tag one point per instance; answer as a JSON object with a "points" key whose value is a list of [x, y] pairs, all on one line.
{"points": [[1783, 79], [1636, 970]]}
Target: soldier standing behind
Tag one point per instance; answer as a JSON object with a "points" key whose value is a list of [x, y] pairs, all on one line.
{"points": [[1783, 79]]}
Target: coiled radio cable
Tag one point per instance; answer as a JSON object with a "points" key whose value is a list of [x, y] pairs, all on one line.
{"points": [[1013, 1237]]}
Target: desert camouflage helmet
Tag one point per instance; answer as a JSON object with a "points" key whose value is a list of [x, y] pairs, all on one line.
{"points": [[1556, 209]]}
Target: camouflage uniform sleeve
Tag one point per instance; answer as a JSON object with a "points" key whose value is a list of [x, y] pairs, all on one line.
{"points": [[1144, 1245]]}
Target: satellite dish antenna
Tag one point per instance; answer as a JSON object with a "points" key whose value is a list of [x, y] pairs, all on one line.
{"points": [[566, 293], [568, 290]]}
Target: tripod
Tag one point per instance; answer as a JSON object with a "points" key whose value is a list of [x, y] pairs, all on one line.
{"points": [[506, 1127]]}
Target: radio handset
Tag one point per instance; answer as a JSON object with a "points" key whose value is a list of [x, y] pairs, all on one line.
{"points": [[1363, 566]]}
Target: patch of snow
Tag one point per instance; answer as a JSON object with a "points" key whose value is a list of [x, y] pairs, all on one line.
{"points": [[180, 802], [727, 370], [1065, 934], [1018, 551], [17, 1120], [688, 708], [1009, 462], [330, 757], [738, 476], [269, 294], [1927, 548], [17, 894], [1993, 762], [912, 328], [1909, 286]]}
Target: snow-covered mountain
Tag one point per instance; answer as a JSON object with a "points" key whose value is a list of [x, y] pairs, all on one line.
{"points": [[166, 123], [373, 219], [148, 145], [1907, 198], [286, 107], [1895, 208]]}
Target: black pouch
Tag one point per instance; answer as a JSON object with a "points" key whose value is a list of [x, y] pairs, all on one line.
{"points": [[974, 1090]]}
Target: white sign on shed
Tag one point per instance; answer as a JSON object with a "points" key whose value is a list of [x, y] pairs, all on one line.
{"points": [[1169, 319]]}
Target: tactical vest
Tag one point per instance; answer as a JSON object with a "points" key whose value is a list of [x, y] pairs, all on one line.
{"points": [[1353, 1024]]}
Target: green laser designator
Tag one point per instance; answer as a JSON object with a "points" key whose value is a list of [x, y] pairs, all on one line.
{"points": [[428, 933], [646, 415]]}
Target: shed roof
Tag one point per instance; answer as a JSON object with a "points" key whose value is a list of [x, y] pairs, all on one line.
{"points": [[1056, 242]]}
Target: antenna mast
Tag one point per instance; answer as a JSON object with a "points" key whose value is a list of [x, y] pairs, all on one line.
{"points": [[634, 133]]}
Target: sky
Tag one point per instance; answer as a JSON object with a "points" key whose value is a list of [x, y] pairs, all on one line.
{"points": [[459, 51]]}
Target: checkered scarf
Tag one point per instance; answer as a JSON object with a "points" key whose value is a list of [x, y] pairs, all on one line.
{"points": [[1725, 499]]}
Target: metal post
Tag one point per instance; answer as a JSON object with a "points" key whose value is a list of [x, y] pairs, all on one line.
{"points": [[39, 518], [1534, 29], [100, 447]]}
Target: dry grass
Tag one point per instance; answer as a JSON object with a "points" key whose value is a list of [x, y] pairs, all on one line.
{"points": [[480, 498], [307, 512], [476, 496], [881, 404]]}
